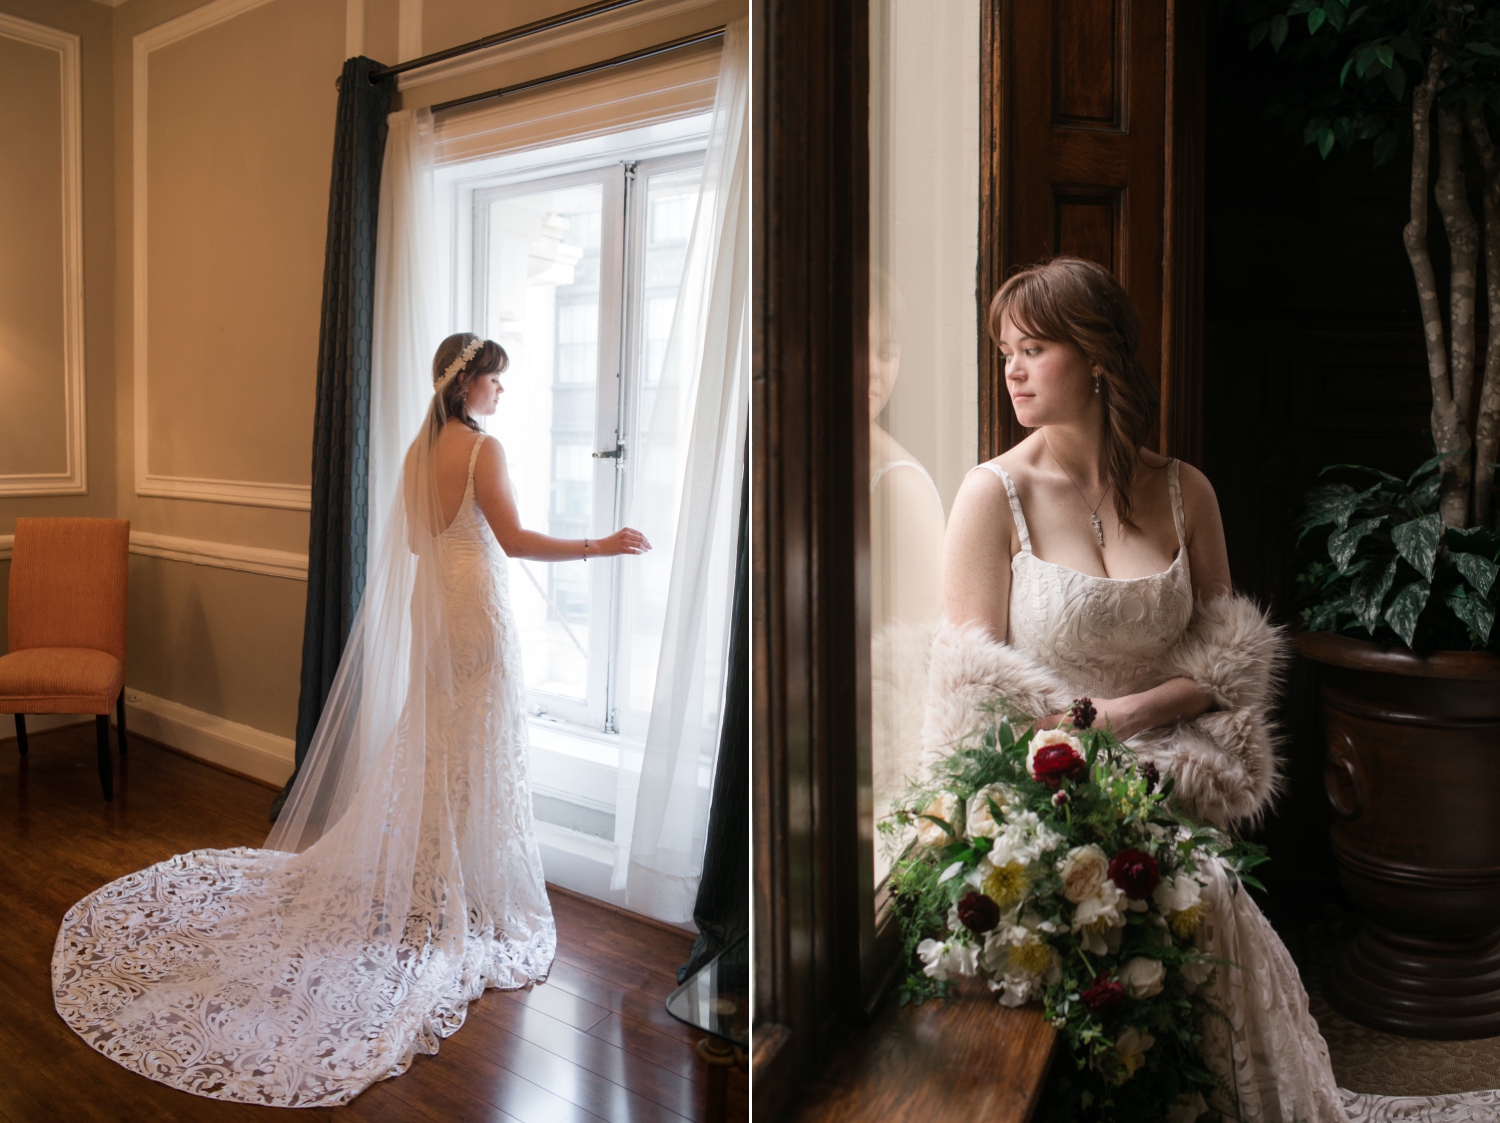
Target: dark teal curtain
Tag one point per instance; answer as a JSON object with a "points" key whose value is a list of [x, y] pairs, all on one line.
{"points": [[722, 908], [341, 424]]}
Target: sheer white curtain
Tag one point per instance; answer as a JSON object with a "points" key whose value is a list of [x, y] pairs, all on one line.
{"points": [[695, 437], [407, 329]]}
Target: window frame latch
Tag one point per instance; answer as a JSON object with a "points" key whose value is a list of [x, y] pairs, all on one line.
{"points": [[616, 453]]}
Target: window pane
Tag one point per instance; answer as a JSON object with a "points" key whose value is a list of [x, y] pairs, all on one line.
{"points": [[543, 307], [924, 207], [669, 200]]}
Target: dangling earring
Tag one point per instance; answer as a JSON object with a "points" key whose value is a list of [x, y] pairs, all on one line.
{"points": [[1096, 383]]}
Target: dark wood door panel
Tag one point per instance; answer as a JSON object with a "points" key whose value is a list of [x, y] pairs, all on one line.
{"points": [[1087, 119]]}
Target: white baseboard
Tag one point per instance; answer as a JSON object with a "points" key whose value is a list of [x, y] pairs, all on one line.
{"points": [[241, 748]]}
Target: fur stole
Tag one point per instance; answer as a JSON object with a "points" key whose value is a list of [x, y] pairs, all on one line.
{"points": [[1224, 761]]}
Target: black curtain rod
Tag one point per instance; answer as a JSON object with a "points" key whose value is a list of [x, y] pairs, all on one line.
{"points": [[618, 60], [562, 20]]}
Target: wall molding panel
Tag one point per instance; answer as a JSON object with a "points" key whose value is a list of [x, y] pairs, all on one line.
{"points": [[296, 497], [74, 479]]}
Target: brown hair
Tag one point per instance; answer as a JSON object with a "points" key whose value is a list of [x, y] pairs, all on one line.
{"points": [[1070, 300], [489, 358]]}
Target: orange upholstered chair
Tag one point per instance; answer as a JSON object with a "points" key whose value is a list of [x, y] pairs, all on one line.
{"points": [[67, 626]]}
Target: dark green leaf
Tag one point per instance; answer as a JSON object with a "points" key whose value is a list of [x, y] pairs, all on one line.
{"points": [[1370, 593], [1315, 20], [1358, 468], [1395, 81], [1484, 49], [1344, 129], [1405, 46], [1363, 60], [1406, 607], [1417, 542], [1278, 31], [1257, 33], [1385, 147], [1354, 15], [1343, 543], [1325, 142], [1426, 496], [1336, 16], [1478, 571], [1386, 55], [1429, 465], [1475, 613], [1344, 73]]}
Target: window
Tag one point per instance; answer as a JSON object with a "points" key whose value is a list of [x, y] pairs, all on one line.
{"points": [[571, 259]]}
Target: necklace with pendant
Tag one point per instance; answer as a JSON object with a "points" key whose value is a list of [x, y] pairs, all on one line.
{"points": [[1093, 507]]}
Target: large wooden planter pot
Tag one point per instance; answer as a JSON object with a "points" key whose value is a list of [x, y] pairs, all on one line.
{"points": [[1413, 773]]}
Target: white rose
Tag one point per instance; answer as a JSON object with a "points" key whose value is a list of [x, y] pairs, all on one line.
{"points": [[944, 807], [1083, 871], [1099, 919], [1143, 977], [1051, 737], [979, 821]]}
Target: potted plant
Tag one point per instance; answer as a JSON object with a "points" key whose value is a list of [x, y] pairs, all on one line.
{"points": [[1401, 601]]}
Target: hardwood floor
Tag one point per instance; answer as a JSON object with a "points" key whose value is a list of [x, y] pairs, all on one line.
{"points": [[593, 1043]]}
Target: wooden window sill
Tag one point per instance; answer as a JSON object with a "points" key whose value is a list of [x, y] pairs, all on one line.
{"points": [[961, 1059]]}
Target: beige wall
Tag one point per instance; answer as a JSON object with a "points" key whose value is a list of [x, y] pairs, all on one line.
{"points": [[214, 243]]}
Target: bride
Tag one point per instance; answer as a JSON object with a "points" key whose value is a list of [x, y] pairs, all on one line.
{"points": [[402, 877], [1079, 563]]}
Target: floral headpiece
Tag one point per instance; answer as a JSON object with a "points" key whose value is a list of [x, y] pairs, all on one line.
{"points": [[462, 361]]}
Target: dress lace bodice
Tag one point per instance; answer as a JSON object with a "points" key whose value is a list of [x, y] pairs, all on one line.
{"points": [[1103, 635]]}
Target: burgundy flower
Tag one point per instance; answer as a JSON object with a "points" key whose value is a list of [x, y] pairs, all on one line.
{"points": [[1054, 763], [1082, 714], [1152, 774], [1135, 872], [978, 913], [1059, 798], [1104, 995]]}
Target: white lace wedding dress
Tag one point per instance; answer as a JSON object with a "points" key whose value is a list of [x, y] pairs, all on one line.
{"points": [[403, 879], [1103, 636]]}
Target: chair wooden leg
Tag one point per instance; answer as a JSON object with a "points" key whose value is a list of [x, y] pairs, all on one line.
{"points": [[21, 734], [120, 720], [106, 766]]}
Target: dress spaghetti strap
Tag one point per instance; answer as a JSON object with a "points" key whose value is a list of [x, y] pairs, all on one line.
{"points": [[1015, 504], [1178, 519], [474, 455]]}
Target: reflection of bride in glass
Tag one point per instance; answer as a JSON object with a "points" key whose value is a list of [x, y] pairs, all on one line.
{"points": [[906, 537], [1080, 563], [402, 877]]}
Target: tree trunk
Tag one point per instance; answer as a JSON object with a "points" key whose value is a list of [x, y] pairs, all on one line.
{"points": [[1463, 242], [1446, 422], [1487, 425]]}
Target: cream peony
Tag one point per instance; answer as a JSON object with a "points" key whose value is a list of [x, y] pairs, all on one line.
{"points": [[1050, 737], [1022, 963], [944, 807], [1143, 978], [1083, 871], [1097, 917], [979, 822], [1178, 894]]}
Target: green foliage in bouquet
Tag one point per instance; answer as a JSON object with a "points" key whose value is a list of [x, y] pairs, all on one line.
{"points": [[1052, 865], [1393, 572]]}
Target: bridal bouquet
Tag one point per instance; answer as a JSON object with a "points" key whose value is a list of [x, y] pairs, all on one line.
{"points": [[1049, 863]]}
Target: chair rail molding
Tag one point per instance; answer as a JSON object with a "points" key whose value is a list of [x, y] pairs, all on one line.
{"points": [[74, 479], [195, 551], [249, 493]]}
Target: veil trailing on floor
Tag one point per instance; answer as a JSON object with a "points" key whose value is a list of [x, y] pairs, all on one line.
{"points": [[401, 879]]}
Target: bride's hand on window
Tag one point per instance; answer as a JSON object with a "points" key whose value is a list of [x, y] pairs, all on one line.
{"points": [[623, 541]]}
